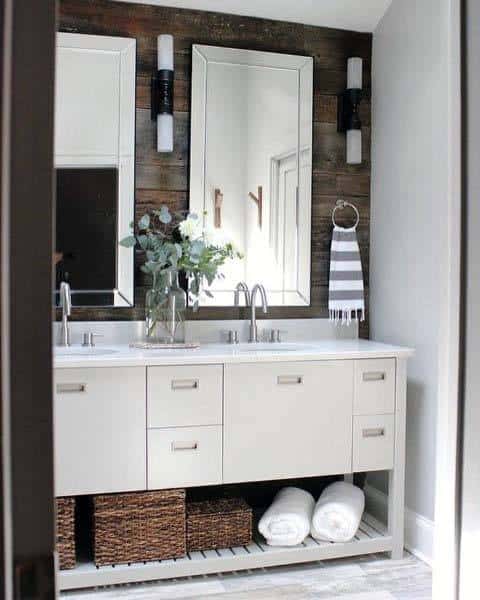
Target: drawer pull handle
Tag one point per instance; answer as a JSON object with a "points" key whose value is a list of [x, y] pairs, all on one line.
{"points": [[185, 384], [71, 388], [178, 446], [373, 432], [374, 376], [289, 380]]}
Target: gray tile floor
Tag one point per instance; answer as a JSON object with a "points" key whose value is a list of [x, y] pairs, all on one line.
{"points": [[373, 577]]}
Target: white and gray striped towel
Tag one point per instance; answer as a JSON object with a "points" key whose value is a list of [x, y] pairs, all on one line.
{"points": [[345, 293]]}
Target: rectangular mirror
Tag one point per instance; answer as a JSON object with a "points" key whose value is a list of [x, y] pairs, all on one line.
{"points": [[250, 173], [95, 167]]}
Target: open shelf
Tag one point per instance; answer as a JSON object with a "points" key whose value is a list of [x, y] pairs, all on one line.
{"points": [[370, 538]]}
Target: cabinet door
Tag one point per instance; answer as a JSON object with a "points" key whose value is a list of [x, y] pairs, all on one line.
{"points": [[287, 420], [100, 430]]}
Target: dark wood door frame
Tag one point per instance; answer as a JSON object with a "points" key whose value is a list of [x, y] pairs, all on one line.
{"points": [[27, 54]]}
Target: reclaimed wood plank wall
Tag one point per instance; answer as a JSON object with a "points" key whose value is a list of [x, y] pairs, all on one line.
{"points": [[164, 179]]}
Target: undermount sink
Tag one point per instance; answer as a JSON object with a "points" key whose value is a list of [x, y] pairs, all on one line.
{"points": [[273, 347], [80, 351]]}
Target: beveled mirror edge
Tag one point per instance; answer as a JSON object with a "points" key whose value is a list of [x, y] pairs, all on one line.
{"points": [[123, 294], [303, 65]]}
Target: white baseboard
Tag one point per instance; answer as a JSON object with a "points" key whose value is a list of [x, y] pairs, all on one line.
{"points": [[418, 529]]}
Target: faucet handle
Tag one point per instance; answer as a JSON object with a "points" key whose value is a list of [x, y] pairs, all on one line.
{"points": [[88, 339], [276, 335], [233, 336]]}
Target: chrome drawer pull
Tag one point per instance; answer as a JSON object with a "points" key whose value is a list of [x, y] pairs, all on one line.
{"points": [[289, 380], [177, 446], [374, 432], [71, 388], [374, 376], [185, 384]]}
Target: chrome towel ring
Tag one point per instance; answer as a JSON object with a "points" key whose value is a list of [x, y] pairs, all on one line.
{"points": [[343, 204]]}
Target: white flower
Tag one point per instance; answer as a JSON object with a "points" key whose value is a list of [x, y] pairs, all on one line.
{"points": [[211, 236], [190, 228]]}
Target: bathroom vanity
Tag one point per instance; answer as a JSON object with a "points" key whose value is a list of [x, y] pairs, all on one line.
{"points": [[129, 419]]}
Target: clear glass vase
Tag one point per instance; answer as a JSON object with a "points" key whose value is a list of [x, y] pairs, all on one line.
{"points": [[165, 308]]}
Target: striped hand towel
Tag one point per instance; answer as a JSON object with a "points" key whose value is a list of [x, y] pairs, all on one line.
{"points": [[345, 297]]}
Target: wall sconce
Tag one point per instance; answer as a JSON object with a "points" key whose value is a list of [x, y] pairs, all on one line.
{"points": [[348, 118], [162, 94]]}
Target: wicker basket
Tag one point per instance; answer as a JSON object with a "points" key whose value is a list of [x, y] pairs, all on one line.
{"points": [[219, 523], [137, 527], [65, 540]]}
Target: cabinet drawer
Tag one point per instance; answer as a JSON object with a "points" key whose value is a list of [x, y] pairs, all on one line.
{"points": [[99, 430], [185, 456], [287, 419], [374, 387], [183, 396], [373, 442]]}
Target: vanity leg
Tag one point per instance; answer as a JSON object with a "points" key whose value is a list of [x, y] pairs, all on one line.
{"points": [[396, 481]]}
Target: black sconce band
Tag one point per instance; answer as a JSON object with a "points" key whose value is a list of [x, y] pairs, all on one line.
{"points": [[162, 93], [347, 112]]}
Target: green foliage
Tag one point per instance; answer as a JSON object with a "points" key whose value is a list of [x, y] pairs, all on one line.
{"points": [[174, 241]]}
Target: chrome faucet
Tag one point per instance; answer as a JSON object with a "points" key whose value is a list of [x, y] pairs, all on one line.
{"points": [[253, 320], [241, 287], [66, 306]]}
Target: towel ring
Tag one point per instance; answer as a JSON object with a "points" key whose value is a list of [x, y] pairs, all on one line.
{"points": [[343, 204]]}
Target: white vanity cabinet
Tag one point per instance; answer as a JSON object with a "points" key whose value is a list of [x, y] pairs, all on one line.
{"points": [[222, 416], [287, 419], [99, 430]]}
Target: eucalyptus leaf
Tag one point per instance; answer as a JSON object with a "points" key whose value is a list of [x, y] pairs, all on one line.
{"points": [[128, 242], [197, 247], [143, 241], [144, 222], [165, 216]]}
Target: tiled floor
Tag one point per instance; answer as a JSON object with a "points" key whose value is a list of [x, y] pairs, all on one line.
{"points": [[373, 577]]}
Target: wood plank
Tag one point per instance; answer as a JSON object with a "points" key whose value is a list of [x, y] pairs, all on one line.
{"points": [[163, 179]]}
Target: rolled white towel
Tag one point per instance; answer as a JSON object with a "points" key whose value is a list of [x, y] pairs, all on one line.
{"points": [[338, 512], [287, 521]]}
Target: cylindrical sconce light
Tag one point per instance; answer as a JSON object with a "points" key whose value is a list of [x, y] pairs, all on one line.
{"points": [[348, 118], [354, 73], [162, 94]]}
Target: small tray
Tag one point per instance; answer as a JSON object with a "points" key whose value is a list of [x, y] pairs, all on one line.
{"points": [[160, 346]]}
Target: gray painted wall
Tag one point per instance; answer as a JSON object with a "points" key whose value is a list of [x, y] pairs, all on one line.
{"points": [[470, 507], [409, 234]]}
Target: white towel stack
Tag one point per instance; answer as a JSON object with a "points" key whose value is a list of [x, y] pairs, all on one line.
{"points": [[287, 521], [338, 512]]}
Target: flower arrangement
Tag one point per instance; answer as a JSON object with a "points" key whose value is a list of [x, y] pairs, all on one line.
{"points": [[177, 241]]}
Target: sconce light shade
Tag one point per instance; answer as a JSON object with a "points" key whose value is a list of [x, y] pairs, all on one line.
{"points": [[354, 73], [348, 117], [354, 146], [165, 52], [164, 133], [162, 94]]}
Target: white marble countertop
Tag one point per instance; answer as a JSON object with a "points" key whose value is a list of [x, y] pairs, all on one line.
{"points": [[326, 349]]}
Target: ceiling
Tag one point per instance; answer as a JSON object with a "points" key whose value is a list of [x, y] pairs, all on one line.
{"points": [[357, 15]]}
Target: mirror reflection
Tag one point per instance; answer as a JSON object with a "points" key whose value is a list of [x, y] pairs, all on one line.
{"points": [[95, 163], [251, 147]]}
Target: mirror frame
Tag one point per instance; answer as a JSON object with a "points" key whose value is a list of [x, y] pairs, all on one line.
{"points": [[124, 160], [303, 66]]}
